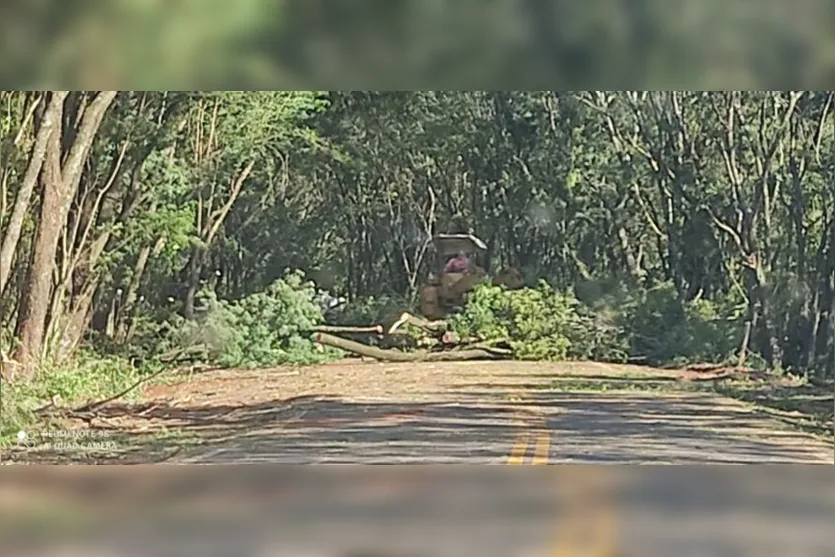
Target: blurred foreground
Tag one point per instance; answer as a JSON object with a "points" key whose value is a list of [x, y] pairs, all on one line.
{"points": [[410, 44], [411, 511]]}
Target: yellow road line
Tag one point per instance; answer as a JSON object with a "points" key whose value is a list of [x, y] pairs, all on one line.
{"points": [[517, 453], [543, 439], [520, 447], [541, 450], [599, 516], [589, 528]]}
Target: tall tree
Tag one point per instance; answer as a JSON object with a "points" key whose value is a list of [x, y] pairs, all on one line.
{"points": [[66, 153]]}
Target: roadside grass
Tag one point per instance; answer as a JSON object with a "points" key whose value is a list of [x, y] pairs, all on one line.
{"points": [[71, 384], [795, 401], [800, 403], [40, 408], [136, 439]]}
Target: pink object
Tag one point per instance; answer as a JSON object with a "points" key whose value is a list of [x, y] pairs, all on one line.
{"points": [[457, 264]]}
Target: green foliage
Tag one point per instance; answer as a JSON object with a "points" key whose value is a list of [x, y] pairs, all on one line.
{"points": [[542, 323], [267, 328], [87, 377], [666, 330], [598, 336], [538, 323], [656, 324], [354, 184], [369, 310]]}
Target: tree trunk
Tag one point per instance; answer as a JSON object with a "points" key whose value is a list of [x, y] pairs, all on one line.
{"points": [[80, 276], [384, 355], [195, 266], [124, 321], [636, 273], [767, 344], [743, 348], [60, 185], [81, 301], [35, 296], [824, 341], [73, 332], [374, 329], [50, 122]]}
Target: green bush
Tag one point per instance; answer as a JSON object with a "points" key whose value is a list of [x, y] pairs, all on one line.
{"points": [[263, 329], [665, 330], [369, 310], [267, 328], [538, 323], [598, 336], [654, 324], [270, 327]]}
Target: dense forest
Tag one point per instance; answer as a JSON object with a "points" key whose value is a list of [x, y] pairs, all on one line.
{"points": [[680, 225]]}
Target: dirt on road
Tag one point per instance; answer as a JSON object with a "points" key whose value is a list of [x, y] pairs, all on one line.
{"points": [[194, 412]]}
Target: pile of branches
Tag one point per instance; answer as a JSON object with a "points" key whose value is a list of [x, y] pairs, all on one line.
{"points": [[431, 341]]}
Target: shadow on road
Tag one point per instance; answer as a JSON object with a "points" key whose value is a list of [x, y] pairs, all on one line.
{"points": [[483, 425], [446, 414]]}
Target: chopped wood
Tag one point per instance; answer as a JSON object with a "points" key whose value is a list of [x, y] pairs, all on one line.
{"points": [[497, 346], [433, 327], [398, 356], [376, 329]]}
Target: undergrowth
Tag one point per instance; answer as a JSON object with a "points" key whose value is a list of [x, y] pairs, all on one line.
{"points": [[87, 377], [652, 326], [369, 310], [267, 328], [539, 324], [665, 330]]}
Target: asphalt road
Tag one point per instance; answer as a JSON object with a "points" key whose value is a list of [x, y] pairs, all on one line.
{"points": [[474, 414], [523, 423], [604, 512]]}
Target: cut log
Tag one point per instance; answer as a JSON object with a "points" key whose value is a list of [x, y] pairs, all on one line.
{"points": [[462, 354], [375, 329], [497, 346], [497, 352], [433, 327], [398, 356]]}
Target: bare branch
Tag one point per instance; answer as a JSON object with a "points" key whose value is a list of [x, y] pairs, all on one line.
{"points": [[219, 216]]}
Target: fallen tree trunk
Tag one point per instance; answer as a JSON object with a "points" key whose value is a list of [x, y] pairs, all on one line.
{"points": [[494, 346], [396, 356], [432, 327], [376, 329]]}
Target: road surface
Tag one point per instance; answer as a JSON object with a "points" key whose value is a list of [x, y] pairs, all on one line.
{"points": [[507, 413], [471, 413], [519, 414]]}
